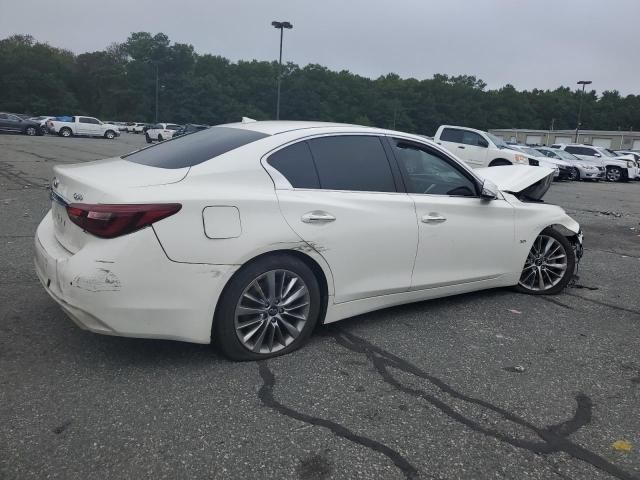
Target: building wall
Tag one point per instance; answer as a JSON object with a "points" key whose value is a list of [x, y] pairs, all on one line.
{"points": [[613, 140]]}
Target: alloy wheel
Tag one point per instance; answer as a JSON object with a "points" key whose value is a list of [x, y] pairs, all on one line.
{"points": [[545, 266], [272, 311], [574, 174], [614, 174], [31, 131]]}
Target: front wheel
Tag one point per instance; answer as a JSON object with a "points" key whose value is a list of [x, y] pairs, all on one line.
{"points": [[614, 174], [574, 174], [147, 138], [160, 138], [31, 131], [109, 134], [65, 132], [549, 266], [268, 308]]}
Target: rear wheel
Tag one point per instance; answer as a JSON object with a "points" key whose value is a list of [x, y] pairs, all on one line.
{"points": [[147, 138], [549, 266], [31, 131], [160, 137], [65, 132], [614, 174], [110, 134], [268, 308]]}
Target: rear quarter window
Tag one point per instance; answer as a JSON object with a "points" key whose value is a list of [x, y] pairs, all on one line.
{"points": [[190, 150]]}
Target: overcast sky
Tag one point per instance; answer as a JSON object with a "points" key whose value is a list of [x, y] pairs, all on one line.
{"points": [[528, 43]]}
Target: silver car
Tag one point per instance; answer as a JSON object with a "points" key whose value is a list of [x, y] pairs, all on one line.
{"points": [[581, 170]]}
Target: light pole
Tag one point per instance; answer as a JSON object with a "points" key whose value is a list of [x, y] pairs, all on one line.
{"points": [[583, 83], [156, 92], [281, 26]]}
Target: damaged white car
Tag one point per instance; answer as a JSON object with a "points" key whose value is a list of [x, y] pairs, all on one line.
{"points": [[251, 234]]}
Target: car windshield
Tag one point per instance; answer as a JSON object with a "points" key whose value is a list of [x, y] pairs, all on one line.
{"points": [[566, 155], [529, 151], [500, 143], [607, 152]]}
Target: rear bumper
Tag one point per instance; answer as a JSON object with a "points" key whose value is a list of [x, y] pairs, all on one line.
{"points": [[128, 287]]}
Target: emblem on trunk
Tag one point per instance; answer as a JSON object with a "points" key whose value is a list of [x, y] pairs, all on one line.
{"points": [[78, 197]]}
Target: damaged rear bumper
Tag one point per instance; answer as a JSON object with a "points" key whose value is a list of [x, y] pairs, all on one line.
{"points": [[128, 287]]}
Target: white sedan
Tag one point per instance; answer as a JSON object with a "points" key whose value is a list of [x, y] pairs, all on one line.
{"points": [[251, 234]]}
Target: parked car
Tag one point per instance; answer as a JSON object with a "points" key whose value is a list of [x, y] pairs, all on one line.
{"points": [[10, 122], [83, 126], [257, 232], [137, 128], [580, 170], [631, 155], [161, 131], [562, 169], [189, 128], [478, 148], [616, 169]]}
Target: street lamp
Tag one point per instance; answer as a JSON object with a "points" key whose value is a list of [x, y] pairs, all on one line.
{"points": [[583, 83], [281, 26]]}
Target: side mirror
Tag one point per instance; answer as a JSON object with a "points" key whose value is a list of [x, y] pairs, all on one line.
{"points": [[597, 155], [483, 143], [489, 190]]}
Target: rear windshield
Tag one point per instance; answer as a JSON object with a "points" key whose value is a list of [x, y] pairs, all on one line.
{"points": [[190, 150]]}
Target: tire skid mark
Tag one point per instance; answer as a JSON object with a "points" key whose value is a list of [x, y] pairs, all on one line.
{"points": [[604, 304], [555, 302], [266, 396], [19, 177], [553, 437]]}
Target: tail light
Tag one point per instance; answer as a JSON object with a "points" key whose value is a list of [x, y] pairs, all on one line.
{"points": [[110, 221]]}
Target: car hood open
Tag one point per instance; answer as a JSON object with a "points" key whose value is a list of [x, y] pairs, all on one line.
{"points": [[523, 181]]}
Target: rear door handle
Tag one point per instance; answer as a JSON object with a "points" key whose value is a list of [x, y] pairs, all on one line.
{"points": [[433, 219], [318, 216]]}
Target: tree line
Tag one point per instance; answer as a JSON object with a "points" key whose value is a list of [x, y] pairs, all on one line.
{"points": [[119, 83]]}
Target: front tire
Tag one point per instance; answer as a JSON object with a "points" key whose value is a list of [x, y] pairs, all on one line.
{"points": [[160, 137], [65, 132], [574, 175], [109, 134], [614, 174], [268, 308], [148, 138], [549, 265], [31, 131]]}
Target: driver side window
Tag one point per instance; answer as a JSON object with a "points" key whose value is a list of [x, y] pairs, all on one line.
{"points": [[425, 172]]}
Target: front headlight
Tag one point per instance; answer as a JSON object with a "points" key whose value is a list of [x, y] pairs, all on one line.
{"points": [[630, 164], [521, 159]]}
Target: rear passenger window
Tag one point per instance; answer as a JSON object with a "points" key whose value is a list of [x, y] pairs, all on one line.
{"points": [[352, 162], [452, 135], [296, 164]]}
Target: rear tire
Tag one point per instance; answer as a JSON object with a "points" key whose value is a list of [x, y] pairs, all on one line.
{"points": [[160, 137], [148, 138], [31, 131], [549, 266], [273, 318], [109, 134], [65, 132]]}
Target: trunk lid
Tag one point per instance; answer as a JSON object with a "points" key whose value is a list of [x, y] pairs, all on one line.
{"points": [[530, 183], [104, 181]]}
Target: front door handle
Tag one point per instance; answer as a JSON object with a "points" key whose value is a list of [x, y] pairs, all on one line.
{"points": [[461, 146], [433, 219], [318, 216]]}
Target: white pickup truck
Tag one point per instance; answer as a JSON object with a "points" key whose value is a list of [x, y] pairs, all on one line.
{"points": [[477, 148], [86, 126]]}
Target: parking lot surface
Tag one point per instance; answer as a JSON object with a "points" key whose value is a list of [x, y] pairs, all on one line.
{"points": [[493, 384]]}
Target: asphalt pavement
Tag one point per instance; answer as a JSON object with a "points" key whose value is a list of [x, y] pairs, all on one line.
{"points": [[493, 384]]}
